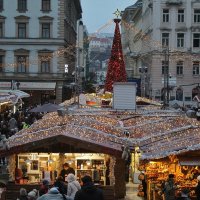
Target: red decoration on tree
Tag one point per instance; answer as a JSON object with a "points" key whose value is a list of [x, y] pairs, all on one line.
{"points": [[116, 68]]}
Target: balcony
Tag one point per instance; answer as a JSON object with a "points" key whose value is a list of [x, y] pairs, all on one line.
{"points": [[33, 76], [174, 2]]}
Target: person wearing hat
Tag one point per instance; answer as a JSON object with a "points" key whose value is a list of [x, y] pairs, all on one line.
{"points": [[32, 195], [197, 190], [88, 190], [73, 185], [54, 194]]}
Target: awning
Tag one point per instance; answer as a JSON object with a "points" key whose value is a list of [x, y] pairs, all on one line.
{"points": [[189, 161], [13, 95], [31, 85]]}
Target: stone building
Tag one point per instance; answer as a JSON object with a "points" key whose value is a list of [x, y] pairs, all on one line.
{"points": [[38, 41], [170, 36]]}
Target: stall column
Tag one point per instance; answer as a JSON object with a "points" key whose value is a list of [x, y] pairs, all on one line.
{"points": [[120, 184], [61, 161], [11, 167]]}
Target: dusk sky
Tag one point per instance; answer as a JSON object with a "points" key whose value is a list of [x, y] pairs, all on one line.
{"points": [[97, 13]]}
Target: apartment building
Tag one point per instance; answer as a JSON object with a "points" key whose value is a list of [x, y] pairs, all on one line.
{"points": [[37, 42], [170, 36]]}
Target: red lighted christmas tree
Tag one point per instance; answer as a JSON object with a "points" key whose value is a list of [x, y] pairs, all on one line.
{"points": [[116, 68]]}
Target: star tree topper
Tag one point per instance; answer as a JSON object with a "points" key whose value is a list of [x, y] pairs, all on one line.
{"points": [[117, 13]]}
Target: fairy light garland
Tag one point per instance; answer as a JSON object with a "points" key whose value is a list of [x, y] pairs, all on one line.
{"points": [[157, 135]]}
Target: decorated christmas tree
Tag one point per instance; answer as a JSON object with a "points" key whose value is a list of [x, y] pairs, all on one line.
{"points": [[116, 68]]}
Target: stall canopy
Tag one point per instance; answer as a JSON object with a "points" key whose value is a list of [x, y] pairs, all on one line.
{"points": [[48, 107], [102, 130], [12, 95], [189, 161], [158, 133]]}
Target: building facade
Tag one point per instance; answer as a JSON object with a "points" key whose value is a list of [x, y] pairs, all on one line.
{"points": [[170, 37], [100, 46], [38, 40]]}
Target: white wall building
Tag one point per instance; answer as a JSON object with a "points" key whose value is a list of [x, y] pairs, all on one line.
{"points": [[173, 25], [36, 39]]}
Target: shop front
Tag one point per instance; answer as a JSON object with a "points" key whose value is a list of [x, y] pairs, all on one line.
{"points": [[155, 173], [34, 167]]}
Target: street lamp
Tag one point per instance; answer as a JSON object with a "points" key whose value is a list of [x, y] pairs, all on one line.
{"points": [[166, 77], [143, 72]]}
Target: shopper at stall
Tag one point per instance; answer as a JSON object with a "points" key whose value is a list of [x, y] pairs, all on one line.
{"points": [[61, 185], [184, 195], [44, 187], [22, 194], [33, 195], [54, 194], [169, 188], [88, 190], [66, 170], [197, 190], [73, 185]]}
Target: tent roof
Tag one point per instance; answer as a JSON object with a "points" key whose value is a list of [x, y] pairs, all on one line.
{"points": [[12, 95], [158, 133]]}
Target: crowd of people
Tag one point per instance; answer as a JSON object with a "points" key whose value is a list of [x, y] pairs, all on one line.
{"points": [[10, 122], [61, 190]]}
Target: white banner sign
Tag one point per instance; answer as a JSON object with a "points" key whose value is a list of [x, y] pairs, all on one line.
{"points": [[30, 85]]}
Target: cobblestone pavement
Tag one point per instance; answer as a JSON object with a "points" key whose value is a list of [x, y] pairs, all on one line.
{"points": [[131, 192]]}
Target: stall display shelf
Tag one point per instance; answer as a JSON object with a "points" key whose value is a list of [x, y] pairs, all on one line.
{"points": [[93, 167]]}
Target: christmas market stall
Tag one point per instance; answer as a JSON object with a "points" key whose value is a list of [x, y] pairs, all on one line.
{"points": [[89, 141], [171, 149]]}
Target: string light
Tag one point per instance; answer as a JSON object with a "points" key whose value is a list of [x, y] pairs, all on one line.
{"points": [[158, 133]]}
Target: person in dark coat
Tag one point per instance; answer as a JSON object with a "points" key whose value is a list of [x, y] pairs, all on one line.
{"points": [[88, 190], [44, 187], [66, 170], [197, 190], [61, 185], [169, 188]]}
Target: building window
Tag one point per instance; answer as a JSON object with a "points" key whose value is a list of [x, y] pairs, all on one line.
{"points": [[165, 39], [21, 30], [1, 63], [196, 15], [46, 30], [21, 64], [1, 5], [179, 68], [22, 5], [45, 66], [1, 30], [181, 15], [165, 15], [196, 68], [164, 67], [180, 39], [196, 40], [179, 94], [46, 5]]}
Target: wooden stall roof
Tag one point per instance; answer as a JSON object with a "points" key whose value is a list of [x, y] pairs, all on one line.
{"points": [[157, 132]]}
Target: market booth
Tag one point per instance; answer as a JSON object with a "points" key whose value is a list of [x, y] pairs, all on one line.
{"points": [[176, 151], [39, 153]]}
